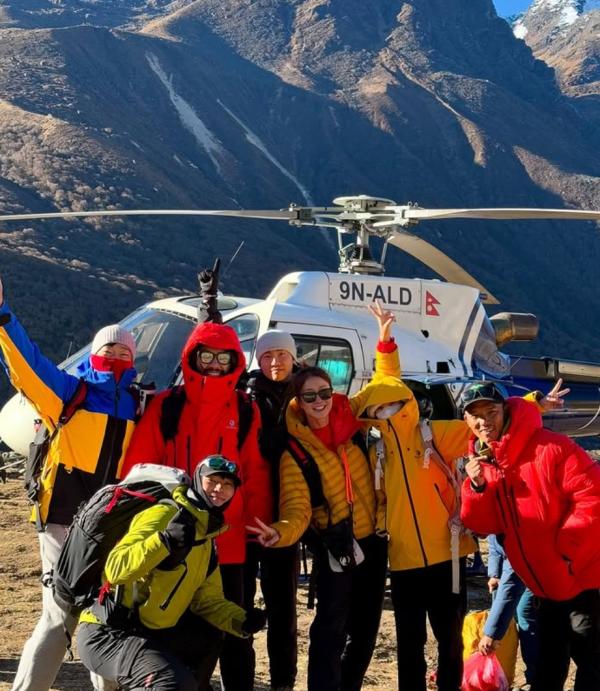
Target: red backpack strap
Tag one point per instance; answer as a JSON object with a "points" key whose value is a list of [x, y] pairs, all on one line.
{"points": [[74, 403]]}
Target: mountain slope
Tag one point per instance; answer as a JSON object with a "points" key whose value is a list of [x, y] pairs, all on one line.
{"points": [[218, 104]]}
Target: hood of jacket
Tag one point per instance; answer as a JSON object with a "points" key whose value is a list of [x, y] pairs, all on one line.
{"points": [[342, 421], [390, 390], [200, 388], [525, 420]]}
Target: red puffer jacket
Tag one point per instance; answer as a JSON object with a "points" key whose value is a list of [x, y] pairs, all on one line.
{"points": [[209, 425], [543, 495]]}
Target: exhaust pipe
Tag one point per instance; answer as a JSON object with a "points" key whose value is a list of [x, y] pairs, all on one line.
{"points": [[515, 326]]}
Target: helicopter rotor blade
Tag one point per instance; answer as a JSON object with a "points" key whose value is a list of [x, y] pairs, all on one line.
{"points": [[281, 215], [417, 214], [441, 263]]}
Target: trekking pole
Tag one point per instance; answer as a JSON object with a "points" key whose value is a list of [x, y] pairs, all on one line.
{"points": [[4, 468]]}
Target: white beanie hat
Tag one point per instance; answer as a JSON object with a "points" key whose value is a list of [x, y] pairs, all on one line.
{"points": [[114, 333], [275, 340]]}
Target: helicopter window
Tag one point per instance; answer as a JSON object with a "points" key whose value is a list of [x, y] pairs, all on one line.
{"points": [[332, 354], [160, 338], [246, 327]]}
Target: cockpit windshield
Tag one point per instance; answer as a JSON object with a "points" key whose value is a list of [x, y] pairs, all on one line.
{"points": [[486, 356]]}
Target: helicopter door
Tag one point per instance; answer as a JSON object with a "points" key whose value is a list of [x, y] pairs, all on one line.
{"points": [[338, 351], [250, 325]]}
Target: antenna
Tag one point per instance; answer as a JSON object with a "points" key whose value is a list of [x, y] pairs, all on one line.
{"points": [[235, 254]]}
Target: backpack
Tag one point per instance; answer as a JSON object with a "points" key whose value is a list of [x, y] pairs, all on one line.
{"points": [[39, 447], [172, 407], [100, 524]]}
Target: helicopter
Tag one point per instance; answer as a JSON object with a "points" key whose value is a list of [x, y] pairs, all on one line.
{"points": [[446, 338]]}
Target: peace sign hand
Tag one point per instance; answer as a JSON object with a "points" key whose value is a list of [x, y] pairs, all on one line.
{"points": [[385, 319], [266, 536], [553, 400]]}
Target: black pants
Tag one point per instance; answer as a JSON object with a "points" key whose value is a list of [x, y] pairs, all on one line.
{"points": [[416, 594], [279, 583], [175, 659], [344, 630], [569, 629], [237, 659]]}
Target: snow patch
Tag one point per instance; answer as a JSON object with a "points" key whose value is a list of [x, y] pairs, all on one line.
{"points": [[189, 119], [520, 30], [259, 144]]}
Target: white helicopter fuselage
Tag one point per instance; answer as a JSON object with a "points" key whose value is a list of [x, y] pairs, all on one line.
{"points": [[437, 327]]}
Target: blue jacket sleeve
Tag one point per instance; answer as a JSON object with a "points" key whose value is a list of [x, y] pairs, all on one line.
{"points": [[39, 379], [496, 557], [505, 603]]}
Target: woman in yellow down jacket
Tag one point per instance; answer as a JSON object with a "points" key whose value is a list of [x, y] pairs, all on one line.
{"points": [[350, 557]]}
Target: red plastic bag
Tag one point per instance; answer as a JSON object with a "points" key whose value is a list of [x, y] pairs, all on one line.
{"points": [[484, 673]]}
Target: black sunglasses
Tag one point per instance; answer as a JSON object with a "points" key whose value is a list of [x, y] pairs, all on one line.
{"points": [[311, 396], [206, 357]]}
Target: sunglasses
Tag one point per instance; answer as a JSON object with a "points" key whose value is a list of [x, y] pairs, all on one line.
{"points": [[206, 357], [311, 396], [221, 463]]}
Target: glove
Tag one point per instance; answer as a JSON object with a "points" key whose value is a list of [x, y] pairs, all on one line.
{"points": [[255, 621], [209, 284], [178, 538]]}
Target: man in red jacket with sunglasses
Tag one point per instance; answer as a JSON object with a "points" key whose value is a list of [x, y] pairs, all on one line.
{"points": [[210, 418], [540, 493]]}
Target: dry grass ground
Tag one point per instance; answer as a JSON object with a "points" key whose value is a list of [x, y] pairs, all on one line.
{"points": [[20, 601]]}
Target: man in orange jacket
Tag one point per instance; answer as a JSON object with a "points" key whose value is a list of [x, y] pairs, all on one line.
{"points": [[204, 416]]}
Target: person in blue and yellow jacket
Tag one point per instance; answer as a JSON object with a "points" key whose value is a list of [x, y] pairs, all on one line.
{"points": [[83, 455], [160, 614]]}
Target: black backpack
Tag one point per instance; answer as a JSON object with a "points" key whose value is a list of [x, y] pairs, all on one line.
{"points": [[172, 407], [100, 524]]}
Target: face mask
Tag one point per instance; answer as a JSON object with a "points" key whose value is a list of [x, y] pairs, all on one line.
{"points": [[106, 364], [386, 411]]}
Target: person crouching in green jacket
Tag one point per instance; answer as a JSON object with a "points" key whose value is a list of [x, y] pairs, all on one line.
{"points": [[165, 612]]}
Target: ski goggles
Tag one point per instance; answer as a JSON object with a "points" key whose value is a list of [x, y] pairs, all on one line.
{"points": [[224, 357], [311, 396], [486, 391], [220, 463]]}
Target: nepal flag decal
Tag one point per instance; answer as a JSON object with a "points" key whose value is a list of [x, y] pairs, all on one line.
{"points": [[430, 305]]}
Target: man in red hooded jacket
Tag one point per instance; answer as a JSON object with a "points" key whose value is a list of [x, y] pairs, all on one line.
{"points": [[540, 493], [210, 423]]}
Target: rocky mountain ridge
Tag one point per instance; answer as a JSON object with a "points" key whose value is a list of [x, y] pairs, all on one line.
{"points": [[565, 34], [224, 104]]}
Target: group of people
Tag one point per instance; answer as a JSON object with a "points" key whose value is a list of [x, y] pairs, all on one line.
{"points": [[371, 484]]}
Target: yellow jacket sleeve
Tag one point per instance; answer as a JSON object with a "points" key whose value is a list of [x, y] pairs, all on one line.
{"points": [[451, 438], [209, 603], [386, 364], [294, 503]]}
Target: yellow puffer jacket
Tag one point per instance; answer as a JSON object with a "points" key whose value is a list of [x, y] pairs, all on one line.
{"points": [[416, 498], [294, 502], [163, 596]]}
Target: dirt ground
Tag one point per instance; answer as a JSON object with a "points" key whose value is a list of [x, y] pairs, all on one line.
{"points": [[20, 596]]}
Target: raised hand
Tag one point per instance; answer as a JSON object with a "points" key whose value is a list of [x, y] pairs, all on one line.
{"points": [[553, 400], [385, 319], [265, 535]]}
